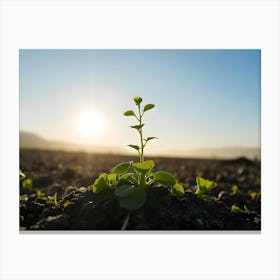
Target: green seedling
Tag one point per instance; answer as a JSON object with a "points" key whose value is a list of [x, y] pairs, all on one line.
{"points": [[40, 193], [203, 186], [130, 180], [234, 189], [236, 209], [27, 184], [253, 195], [53, 198]]}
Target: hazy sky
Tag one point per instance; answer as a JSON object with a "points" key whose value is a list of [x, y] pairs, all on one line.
{"points": [[203, 98]]}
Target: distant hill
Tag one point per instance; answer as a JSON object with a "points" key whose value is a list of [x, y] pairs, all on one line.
{"points": [[227, 152], [31, 140], [34, 141]]}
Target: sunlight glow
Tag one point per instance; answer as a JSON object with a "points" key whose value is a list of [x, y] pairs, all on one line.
{"points": [[90, 123]]}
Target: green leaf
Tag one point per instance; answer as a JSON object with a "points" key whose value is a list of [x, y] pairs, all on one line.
{"points": [[253, 195], [236, 209], [52, 198], [129, 113], [40, 193], [204, 185], [164, 178], [204, 196], [150, 138], [123, 190], [121, 168], [100, 183], [134, 200], [138, 127], [148, 107], [137, 148], [137, 100], [234, 189], [178, 190], [27, 184], [143, 167], [126, 177], [112, 179], [149, 174]]}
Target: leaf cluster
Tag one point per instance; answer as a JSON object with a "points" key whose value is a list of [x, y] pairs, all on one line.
{"points": [[130, 181]]}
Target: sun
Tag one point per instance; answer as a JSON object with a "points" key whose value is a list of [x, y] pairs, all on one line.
{"points": [[90, 123]]}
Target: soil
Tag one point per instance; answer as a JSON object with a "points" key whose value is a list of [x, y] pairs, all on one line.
{"points": [[70, 176]]}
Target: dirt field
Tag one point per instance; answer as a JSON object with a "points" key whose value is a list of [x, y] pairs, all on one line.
{"points": [[70, 176]]}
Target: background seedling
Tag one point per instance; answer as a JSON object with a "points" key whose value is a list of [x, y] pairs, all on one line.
{"points": [[203, 186], [27, 184], [53, 198], [40, 193], [253, 195], [234, 189], [236, 209]]}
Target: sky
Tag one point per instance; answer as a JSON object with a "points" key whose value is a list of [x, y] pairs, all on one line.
{"points": [[203, 98]]}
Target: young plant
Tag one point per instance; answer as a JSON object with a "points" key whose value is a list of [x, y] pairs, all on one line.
{"points": [[236, 209], [52, 199], [203, 186], [130, 180], [27, 184], [234, 189]]}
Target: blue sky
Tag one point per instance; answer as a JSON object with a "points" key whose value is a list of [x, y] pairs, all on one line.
{"points": [[203, 98]]}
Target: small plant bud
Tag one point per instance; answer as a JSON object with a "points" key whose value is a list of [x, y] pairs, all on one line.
{"points": [[137, 100]]}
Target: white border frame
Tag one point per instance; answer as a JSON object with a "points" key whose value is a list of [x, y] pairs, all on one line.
{"points": [[140, 24]]}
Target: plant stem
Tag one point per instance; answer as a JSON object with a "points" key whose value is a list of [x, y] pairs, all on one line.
{"points": [[142, 180], [141, 136], [141, 152]]}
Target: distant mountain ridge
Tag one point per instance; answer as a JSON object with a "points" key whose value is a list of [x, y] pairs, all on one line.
{"points": [[33, 141], [30, 140], [227, 152]]}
